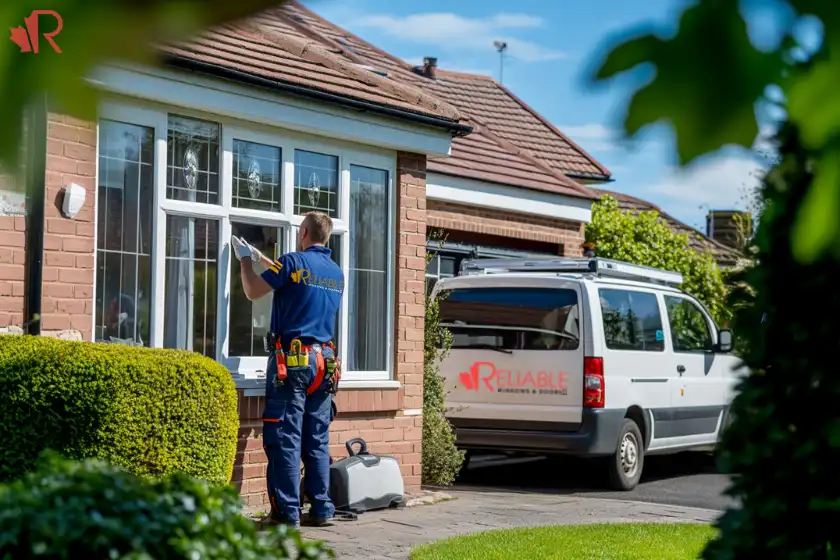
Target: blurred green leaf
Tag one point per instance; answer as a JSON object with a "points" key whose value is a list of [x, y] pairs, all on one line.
{"points": [[94, 31], [816, 228], [708, 78], [811, 100]]}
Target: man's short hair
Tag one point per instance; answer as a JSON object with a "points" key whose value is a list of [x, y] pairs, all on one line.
{"points": [[319, 226]]}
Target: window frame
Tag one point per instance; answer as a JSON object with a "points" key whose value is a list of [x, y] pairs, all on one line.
{"points": [[711, 326], [632, 290], [155, 116]]}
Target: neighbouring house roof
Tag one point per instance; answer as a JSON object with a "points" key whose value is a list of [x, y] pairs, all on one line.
{"points": [[512, 144], [272, 48], [725, 256]]}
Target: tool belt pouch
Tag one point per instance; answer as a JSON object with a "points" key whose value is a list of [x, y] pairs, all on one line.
{"points": [[332, 364], [297, 356]]}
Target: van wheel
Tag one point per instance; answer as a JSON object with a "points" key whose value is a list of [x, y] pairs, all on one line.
{"points": [[625, 467]]}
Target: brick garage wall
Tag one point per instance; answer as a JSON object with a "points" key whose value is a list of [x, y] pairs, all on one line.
{"points": [[69, 251], [387, 419], [486, 221]]}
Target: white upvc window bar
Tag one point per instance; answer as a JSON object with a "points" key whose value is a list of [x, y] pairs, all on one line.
{"points": [[214, 177]]}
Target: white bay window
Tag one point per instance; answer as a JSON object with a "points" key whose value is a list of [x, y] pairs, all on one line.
{"points": [[173, 187]]}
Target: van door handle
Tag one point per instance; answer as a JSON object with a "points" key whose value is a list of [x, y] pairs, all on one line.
{"points": [[681, 369]]}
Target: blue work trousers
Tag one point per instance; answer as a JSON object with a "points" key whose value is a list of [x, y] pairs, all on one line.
{"points": [[295, 426]]}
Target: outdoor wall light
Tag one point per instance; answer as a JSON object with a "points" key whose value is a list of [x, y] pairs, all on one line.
{"points": [[74, 199]]}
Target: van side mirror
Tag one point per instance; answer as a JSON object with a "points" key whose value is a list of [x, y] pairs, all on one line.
{"points": [[726, 341]]}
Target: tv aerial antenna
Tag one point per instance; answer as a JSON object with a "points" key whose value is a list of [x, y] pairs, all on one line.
{"points": [[501, 47]]}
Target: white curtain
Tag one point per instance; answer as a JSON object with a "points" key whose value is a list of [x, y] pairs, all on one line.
{"points": [[180, 283]]}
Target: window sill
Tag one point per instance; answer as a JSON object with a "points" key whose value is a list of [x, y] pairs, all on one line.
{"points": [[255, 386]]}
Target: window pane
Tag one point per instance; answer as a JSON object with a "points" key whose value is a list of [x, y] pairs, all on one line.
{"points": [[368, 281], [433, 265], [513, 318], [631, 321], [335, 248], [689, 329], [192, 160], [191, 299], [256, 176], [124, 232], [250, 320], [447, 266], [316, 183]]}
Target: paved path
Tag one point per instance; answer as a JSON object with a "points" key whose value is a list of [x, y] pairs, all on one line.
{"points": [[391, 534], [685, 479]]}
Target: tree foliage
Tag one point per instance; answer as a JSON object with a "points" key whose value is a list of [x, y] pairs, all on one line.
{"points": [[643, 238], [441, 458], [783, 446]]}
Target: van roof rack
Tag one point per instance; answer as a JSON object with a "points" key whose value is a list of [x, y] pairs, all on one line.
{"points": [[607, 268]]}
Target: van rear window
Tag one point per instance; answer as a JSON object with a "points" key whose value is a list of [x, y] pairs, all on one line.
{"points": [[512, 318]]}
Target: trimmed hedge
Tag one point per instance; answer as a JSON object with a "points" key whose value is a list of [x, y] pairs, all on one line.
{"points": [[91, 510], [149, 411]]}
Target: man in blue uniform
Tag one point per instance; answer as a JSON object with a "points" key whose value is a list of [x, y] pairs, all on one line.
{"points": [[303, 367]]}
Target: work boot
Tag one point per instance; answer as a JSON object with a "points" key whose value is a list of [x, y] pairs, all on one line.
{"points": [[310, 520], [278, 520]]}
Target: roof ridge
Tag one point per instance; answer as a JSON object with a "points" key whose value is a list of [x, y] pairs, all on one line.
{"points": [[313, 51], [528, 156], [457, 74], [554, 129], [315, 34], [310, 13]]}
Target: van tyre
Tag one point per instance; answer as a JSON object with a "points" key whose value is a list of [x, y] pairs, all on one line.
{"points": [[625, 466]]}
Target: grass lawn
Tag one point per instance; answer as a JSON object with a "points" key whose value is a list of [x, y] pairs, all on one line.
{"points": [[632, 541]]}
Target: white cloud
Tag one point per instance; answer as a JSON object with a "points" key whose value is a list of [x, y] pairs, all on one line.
{"points": [[455, 31], [717, 183], [592, 136]]}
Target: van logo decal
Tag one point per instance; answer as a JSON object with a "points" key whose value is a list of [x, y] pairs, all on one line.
{"points": [[485, 375]]}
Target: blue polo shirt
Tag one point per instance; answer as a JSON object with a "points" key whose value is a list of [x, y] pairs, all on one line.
{"points": [[307, 293]]}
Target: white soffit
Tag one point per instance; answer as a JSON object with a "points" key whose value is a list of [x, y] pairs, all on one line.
{"points": [[502, 197], [252, 104]]}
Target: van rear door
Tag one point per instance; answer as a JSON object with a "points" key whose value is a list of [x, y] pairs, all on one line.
{"points": [[517, 355]]}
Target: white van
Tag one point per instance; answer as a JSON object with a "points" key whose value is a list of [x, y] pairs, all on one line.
{"points": [[588, 357]]}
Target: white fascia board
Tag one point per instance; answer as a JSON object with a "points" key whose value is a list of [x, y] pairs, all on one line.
{"points": [[245, 103], [448, 188]]}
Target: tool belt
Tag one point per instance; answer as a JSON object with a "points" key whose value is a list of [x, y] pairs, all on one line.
{"points": [[298, 356]]}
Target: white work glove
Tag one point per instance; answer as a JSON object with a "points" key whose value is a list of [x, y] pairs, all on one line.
{"points": [[243, 250]]}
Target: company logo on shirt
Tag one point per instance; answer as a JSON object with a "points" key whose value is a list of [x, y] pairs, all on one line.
{"points": [[310, 280]]}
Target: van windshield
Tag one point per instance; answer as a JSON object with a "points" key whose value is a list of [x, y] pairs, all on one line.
{"points": [[512, 318]]}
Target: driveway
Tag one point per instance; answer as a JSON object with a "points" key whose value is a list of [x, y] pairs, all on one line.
{"points": [[391, 534], [686, 479]]}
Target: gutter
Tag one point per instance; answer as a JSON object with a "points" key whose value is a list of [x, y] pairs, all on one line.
{"points": [[184, 63], [36, 174]]}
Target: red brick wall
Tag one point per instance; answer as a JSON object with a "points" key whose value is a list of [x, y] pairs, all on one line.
{"points": [[12, 259], [69, 251], [461, 217], [376, 415]]}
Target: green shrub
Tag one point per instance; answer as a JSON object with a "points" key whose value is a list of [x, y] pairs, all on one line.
{"points": [[643, 238], [91, 510], [441, 458], [152, 412], [783, 446]]}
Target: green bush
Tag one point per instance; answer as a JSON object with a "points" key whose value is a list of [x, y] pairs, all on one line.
{"points": [[783, 446], [152, 412], [91, 510], [441, 458], [643, 238]]}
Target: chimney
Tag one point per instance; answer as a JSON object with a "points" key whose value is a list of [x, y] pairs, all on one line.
{"points": [[729, 227], [429, 67]]}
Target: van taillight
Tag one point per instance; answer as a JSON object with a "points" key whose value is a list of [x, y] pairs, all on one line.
{"points": [[593, 383]]}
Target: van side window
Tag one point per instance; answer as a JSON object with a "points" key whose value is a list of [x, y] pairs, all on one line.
{"points": [[689, 328], [631, 320], [512, 318]]}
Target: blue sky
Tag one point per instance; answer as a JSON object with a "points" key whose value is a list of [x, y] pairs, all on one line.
{"points": [[550, 46]]}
